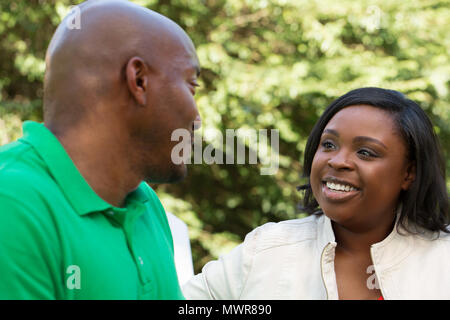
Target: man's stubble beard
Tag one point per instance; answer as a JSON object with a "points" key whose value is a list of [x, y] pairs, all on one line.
{"points": [[171, 174]]}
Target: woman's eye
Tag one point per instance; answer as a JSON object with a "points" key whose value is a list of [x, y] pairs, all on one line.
{"points": [[328, 145], [367, 153]]}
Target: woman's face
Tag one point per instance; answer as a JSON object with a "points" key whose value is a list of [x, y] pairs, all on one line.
{"points": [[360, 167]]}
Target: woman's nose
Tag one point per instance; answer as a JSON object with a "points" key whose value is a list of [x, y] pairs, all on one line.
{"points": [[341, 161]]}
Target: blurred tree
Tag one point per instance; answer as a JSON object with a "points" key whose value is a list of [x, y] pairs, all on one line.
{"points": [[266, 65]]}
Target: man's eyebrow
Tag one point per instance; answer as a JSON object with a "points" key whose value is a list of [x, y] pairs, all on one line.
{"points": [[364, 139]]}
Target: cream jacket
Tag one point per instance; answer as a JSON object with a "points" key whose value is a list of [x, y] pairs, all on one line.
{"points": [[294, 259]]}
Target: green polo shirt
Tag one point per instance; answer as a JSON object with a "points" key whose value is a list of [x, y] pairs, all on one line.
{"points": [[60, 240]]}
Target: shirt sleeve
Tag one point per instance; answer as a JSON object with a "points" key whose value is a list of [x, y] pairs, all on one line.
{"points": [[224, 279], [28, 265]]}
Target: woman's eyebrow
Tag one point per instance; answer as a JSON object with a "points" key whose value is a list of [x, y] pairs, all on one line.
{"points": [[331, 131], [360, 139]]}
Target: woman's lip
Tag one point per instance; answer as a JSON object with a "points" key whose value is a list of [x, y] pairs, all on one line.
{"points": [[338, 181], [338, 196]]}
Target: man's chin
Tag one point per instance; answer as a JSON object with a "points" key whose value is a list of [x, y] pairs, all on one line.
{"points": [[176, 174]]}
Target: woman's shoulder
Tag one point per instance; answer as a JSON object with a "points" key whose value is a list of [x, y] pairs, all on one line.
{"points": [[443, 237], [284, 233], [421, 234]]}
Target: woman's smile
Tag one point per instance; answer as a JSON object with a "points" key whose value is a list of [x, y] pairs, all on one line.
{"points": [[338, 191]]}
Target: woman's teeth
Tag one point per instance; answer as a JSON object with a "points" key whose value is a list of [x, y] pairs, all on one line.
{"points": [[339, 187]]}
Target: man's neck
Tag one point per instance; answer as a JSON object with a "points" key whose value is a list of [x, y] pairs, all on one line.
{"points": [[102, 160]]}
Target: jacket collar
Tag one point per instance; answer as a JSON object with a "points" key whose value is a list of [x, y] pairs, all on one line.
{"points": [[386, 253], [325, 232]]}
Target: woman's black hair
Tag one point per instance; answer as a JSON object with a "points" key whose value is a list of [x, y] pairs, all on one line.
{"points": [[426, 202]]}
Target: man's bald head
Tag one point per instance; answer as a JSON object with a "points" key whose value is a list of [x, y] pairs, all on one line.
{"points": [[85, 65], [117, 88]]}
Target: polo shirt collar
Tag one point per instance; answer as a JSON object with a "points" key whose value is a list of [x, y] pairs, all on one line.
{"points": [[77, 191]]}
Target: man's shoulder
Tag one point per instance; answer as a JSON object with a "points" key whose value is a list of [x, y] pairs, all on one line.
{"points": [[12, 154], [22, 174], [288, 232], [23, 201], [18, 155]]}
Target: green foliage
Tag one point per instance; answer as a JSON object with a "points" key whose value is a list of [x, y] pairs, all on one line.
{"points": [[266, 65]]}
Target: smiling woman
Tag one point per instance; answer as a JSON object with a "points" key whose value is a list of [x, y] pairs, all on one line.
{"points": [[372, 159], [393, 139], [378, 224]]}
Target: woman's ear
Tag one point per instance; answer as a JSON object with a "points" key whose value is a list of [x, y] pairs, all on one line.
{"points": [[410, 176], [137, 79]]}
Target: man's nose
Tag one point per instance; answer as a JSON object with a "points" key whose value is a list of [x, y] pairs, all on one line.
{"points": [[341, 161]]}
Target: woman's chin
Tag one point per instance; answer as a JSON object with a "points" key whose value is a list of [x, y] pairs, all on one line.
{"points": [[341, 217]]}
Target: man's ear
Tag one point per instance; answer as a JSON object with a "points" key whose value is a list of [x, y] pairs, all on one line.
{"points": [[410, 176], [137, 79]]}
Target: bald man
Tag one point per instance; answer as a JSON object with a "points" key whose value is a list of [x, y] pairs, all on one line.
{"points": [[77, 218]]}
